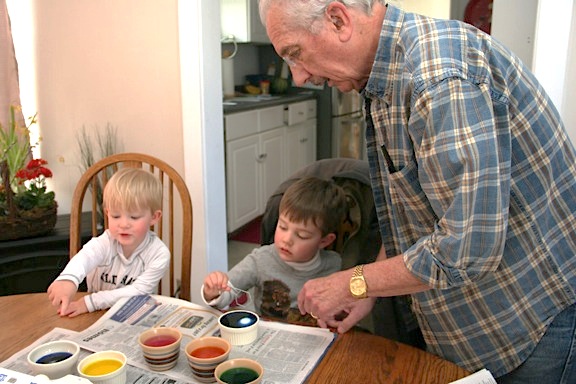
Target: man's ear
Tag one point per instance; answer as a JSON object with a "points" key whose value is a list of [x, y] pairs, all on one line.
{"points": [[327, 240], [339, 18]]}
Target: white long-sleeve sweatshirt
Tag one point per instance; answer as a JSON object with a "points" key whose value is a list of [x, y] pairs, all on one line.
{"points": [[111, 276]]}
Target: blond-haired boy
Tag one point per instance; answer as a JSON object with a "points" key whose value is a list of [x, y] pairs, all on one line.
{"points": [[128, 259]]}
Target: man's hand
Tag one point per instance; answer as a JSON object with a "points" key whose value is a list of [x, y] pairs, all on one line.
{"points": [[330, 301]]}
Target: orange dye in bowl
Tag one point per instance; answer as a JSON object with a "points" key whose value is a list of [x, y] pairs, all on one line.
{"points": [[207, 352]]}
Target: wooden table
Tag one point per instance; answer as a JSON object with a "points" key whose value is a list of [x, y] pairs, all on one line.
{"points": [[355, 357]]}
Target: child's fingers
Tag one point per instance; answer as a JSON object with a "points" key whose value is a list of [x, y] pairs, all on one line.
{"points": [[64, 306]]}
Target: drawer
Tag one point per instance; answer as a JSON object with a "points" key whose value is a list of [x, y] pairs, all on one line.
{"points": [[297, 112], [241, 124], [270, 118], [311, 109]]}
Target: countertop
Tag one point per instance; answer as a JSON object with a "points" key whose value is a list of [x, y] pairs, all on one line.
{"points": [[247, 103]]}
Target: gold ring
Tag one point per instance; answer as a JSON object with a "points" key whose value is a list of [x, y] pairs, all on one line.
{"points": [[311, 314]]}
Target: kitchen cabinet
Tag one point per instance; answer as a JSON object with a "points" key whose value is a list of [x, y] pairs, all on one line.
{"points": [[300, 136], [241, 19], [263, 147], [254, 162]]}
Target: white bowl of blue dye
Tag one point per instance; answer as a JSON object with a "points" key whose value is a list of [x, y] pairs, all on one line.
{"points": [[54, 359], [239, 327]]}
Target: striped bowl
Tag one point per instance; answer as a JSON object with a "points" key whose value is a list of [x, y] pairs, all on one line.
{"points": [[160, 347], [203, 367]]}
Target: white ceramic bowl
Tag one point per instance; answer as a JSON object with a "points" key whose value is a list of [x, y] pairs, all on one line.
{"points": [[54, 351], [239, 327], [237, 364], [116, 376]]}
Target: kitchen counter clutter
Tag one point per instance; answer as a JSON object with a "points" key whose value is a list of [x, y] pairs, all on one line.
{"points": [[266, 141], [248, 102]]}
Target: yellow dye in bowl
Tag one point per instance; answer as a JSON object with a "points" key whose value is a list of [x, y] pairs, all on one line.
{"points": [[101, 367]]}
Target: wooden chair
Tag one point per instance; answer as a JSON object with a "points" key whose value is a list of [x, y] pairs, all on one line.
{"points": [[170, 228]]}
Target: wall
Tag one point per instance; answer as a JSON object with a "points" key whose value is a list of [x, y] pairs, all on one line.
{"points": [[437, 8], [106, 62], [568, 110], [551, 53], [544, 39]]}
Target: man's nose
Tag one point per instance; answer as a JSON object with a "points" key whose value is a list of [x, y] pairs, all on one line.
{"points": [[299, 75]]}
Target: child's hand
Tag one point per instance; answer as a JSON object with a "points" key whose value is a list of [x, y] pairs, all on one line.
{"points": [[60, 293], [76, 308], [214, 284]]}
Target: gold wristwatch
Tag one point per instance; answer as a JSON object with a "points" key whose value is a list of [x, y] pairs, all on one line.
{"points": [[358, 285]]}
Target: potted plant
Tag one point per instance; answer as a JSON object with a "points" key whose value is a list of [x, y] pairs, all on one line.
{"points": [[26, 207]]}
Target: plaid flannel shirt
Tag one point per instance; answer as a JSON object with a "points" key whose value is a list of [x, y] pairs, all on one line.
{"points": [[474, 179]]}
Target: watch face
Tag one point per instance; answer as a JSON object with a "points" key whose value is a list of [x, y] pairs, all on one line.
{"points": [[358, 287]]}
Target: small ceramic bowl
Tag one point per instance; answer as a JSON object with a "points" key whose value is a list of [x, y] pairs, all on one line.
{"points": [[54, 359], [204, 354], [105, 367], [160, 347], [242, 371], [239, 327]]}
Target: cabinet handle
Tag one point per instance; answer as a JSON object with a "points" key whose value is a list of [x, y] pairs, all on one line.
{"points": [[304, 140], [261, 157]]}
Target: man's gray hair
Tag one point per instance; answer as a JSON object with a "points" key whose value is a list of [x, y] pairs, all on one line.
{"points": [[302, 14]]}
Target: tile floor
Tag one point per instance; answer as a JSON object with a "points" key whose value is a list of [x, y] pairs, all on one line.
{"points": [[237, 250]]}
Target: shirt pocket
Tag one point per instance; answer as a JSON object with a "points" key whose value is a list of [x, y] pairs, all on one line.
{"points": [[413, 214]]}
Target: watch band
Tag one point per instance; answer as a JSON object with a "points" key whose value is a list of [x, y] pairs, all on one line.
{"points": [[358, 271]]}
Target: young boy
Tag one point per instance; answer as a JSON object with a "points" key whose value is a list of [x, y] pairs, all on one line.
{"points": [[310, 212], [127, 259]]}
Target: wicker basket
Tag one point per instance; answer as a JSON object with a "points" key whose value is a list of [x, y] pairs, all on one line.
{"points": [[35, 222]]}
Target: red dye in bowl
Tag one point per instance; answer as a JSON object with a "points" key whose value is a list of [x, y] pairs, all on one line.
{"points": [[207, 352], [160, 341]]}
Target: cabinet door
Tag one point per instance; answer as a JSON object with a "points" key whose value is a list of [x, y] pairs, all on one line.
{"points": [[241, 19], [242, 181], [257, 31], [272, 162], [300, 145], [308, 142], [291, 152]]}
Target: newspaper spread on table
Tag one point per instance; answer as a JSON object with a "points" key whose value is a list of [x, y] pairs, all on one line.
{"points": [[287, 352]]}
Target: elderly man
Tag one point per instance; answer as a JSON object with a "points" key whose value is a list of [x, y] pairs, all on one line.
{"points": [[474, 179]]}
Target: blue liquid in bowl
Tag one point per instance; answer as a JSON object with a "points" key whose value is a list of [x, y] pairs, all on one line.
{"points": [[239, 319], [54, 357]]}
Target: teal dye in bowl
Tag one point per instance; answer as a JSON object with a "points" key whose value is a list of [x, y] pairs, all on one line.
{"points": [[239, 375]]}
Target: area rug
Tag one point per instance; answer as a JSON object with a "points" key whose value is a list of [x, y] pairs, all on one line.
{"points": [[249, 233]]}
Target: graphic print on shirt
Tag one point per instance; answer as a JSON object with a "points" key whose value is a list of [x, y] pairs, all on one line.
{"points": [[112, 279], [276, 303]]}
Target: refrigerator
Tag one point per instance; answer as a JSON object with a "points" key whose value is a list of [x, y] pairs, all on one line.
{"points": [[348, 125]]}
